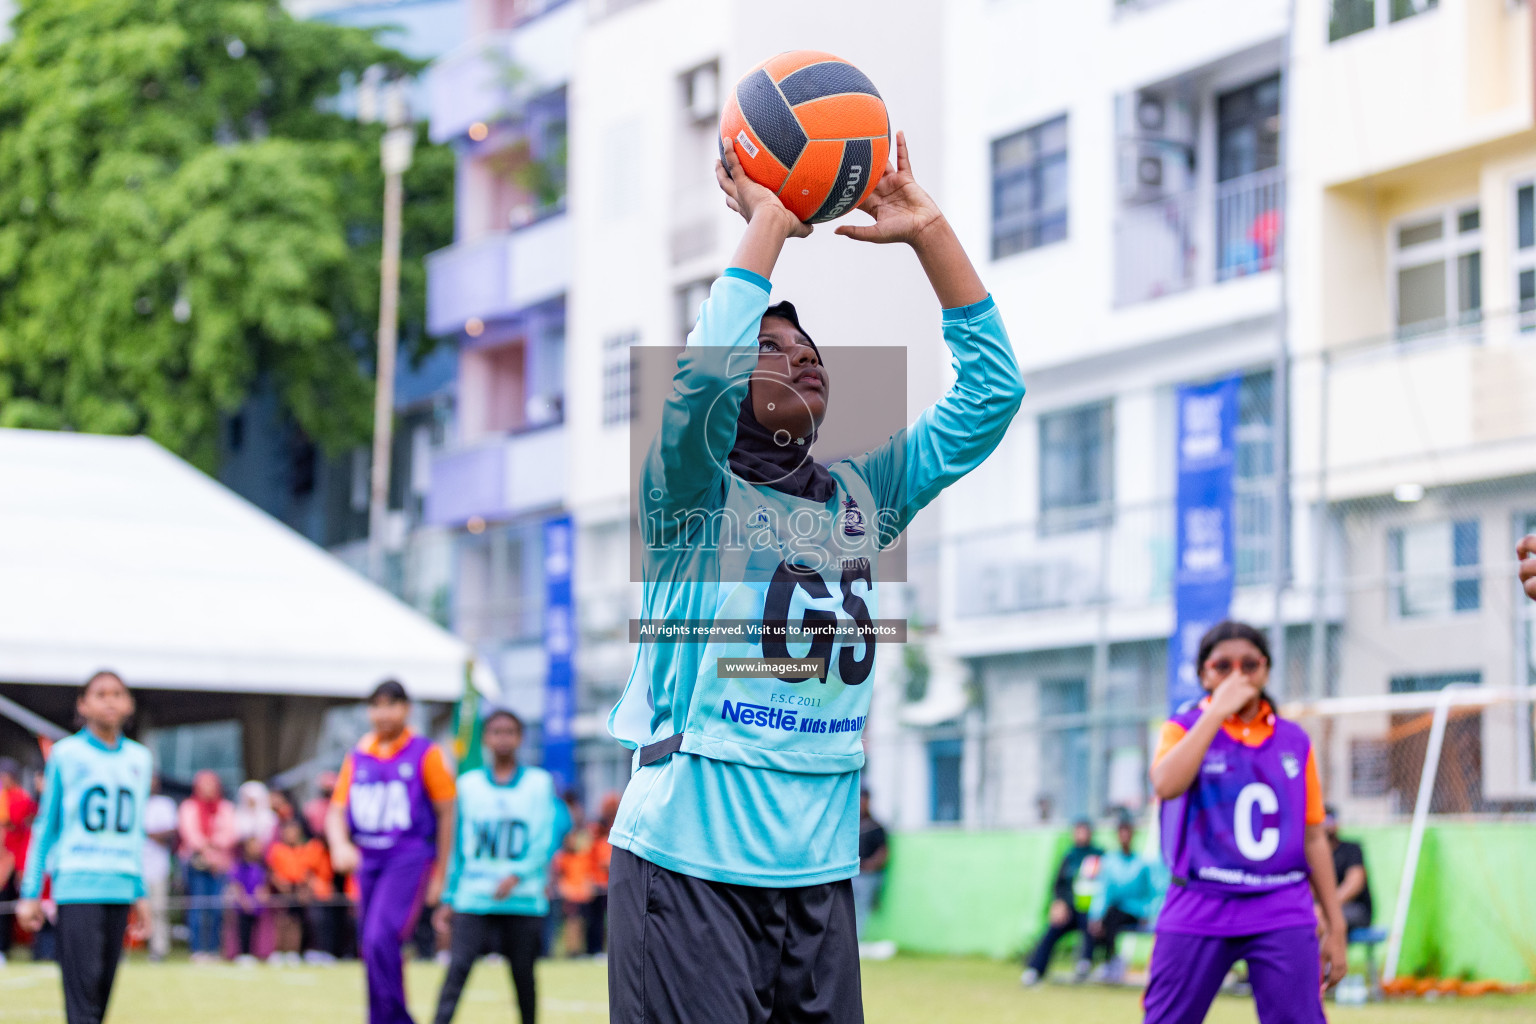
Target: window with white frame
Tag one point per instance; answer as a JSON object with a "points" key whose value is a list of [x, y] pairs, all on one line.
{"points": [[1077, 466], [1347, 17], [1437, 269], [1029, 188], [1253, 479], [1525, 253], [1434, 568], [617, 380]]}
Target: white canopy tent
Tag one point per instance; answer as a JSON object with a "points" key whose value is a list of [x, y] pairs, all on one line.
{"points": [[115, 553]]}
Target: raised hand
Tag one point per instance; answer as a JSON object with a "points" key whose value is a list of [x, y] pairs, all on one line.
{"points": [[749, 199], [1235, 693], [901, 208]]}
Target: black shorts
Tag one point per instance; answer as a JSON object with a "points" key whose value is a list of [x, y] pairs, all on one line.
{"points": [[683, 950]]}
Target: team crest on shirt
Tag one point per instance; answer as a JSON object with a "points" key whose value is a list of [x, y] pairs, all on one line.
{"points": [[407, 770], [853, 519], [1290, 764]]}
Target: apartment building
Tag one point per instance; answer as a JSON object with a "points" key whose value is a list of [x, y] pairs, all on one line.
{"points": [[1120, 167], [1169, 193], [1415, 256], [497, 474]]}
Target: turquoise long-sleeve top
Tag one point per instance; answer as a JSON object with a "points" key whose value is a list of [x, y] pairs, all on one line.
{"points": [[764, 788]]}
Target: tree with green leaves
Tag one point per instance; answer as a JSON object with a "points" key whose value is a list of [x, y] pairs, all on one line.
{"points": [[184, 212]]}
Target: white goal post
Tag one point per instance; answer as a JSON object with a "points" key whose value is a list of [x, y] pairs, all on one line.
{"points": [[1347, 723]]}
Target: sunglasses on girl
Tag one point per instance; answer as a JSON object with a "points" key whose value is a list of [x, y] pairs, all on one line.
{"points": [[1224, 666]]}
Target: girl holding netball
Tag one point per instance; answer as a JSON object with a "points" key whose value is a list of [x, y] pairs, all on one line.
{"points": [[89, 836], [730, 897], [1242, 826]]}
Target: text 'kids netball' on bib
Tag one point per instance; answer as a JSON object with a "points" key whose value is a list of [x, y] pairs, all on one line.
{"points": [[1241, 825], [387, 801]]}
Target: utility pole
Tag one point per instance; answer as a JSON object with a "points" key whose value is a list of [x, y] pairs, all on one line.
{"points": [[395, 157], [1280, 548]]}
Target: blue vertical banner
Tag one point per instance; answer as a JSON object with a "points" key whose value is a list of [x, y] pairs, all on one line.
{"points": [[560, 651], [1203, 551]]}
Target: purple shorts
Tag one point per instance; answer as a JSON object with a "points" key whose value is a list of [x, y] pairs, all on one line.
{"points": [[1187, 972]]}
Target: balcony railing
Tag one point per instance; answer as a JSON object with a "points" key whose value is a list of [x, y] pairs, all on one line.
{"points": [[1248, 212], [498, 275], [1124, 561], [1184, 240], [1441, 407]]}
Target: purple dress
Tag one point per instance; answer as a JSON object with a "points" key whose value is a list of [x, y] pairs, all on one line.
{"points": [[395, 828], [1235, 845]]}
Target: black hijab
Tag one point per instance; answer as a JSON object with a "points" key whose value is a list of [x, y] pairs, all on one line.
{"points": [[759, 459]]}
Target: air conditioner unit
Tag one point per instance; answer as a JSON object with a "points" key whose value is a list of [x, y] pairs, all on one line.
{"points": [[1155, 169], [1157, 147]]}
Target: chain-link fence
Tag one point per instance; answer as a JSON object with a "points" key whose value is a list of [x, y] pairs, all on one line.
{"points": [[1413, 473]]}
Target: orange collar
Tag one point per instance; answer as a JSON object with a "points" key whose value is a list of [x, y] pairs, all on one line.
{"points": [[1250, 734], [375, 747]]}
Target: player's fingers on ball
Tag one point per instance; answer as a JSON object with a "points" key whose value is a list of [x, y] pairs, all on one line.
{"points": [[1527, 546]]}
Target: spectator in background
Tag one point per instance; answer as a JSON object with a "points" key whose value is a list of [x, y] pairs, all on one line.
{"points": [[576, 880], [873, 853], [299, 873], [282, 807], [17, 809], [248, 891], [254, 817], [602, 856], [1125, 900], [1349, 873], [159, 840], [1071, 896], [208, 840], [555, 923], [332, 918], [315, 808]]}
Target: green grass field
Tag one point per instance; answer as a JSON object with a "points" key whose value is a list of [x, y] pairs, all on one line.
{"points": [[907, 989]]}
